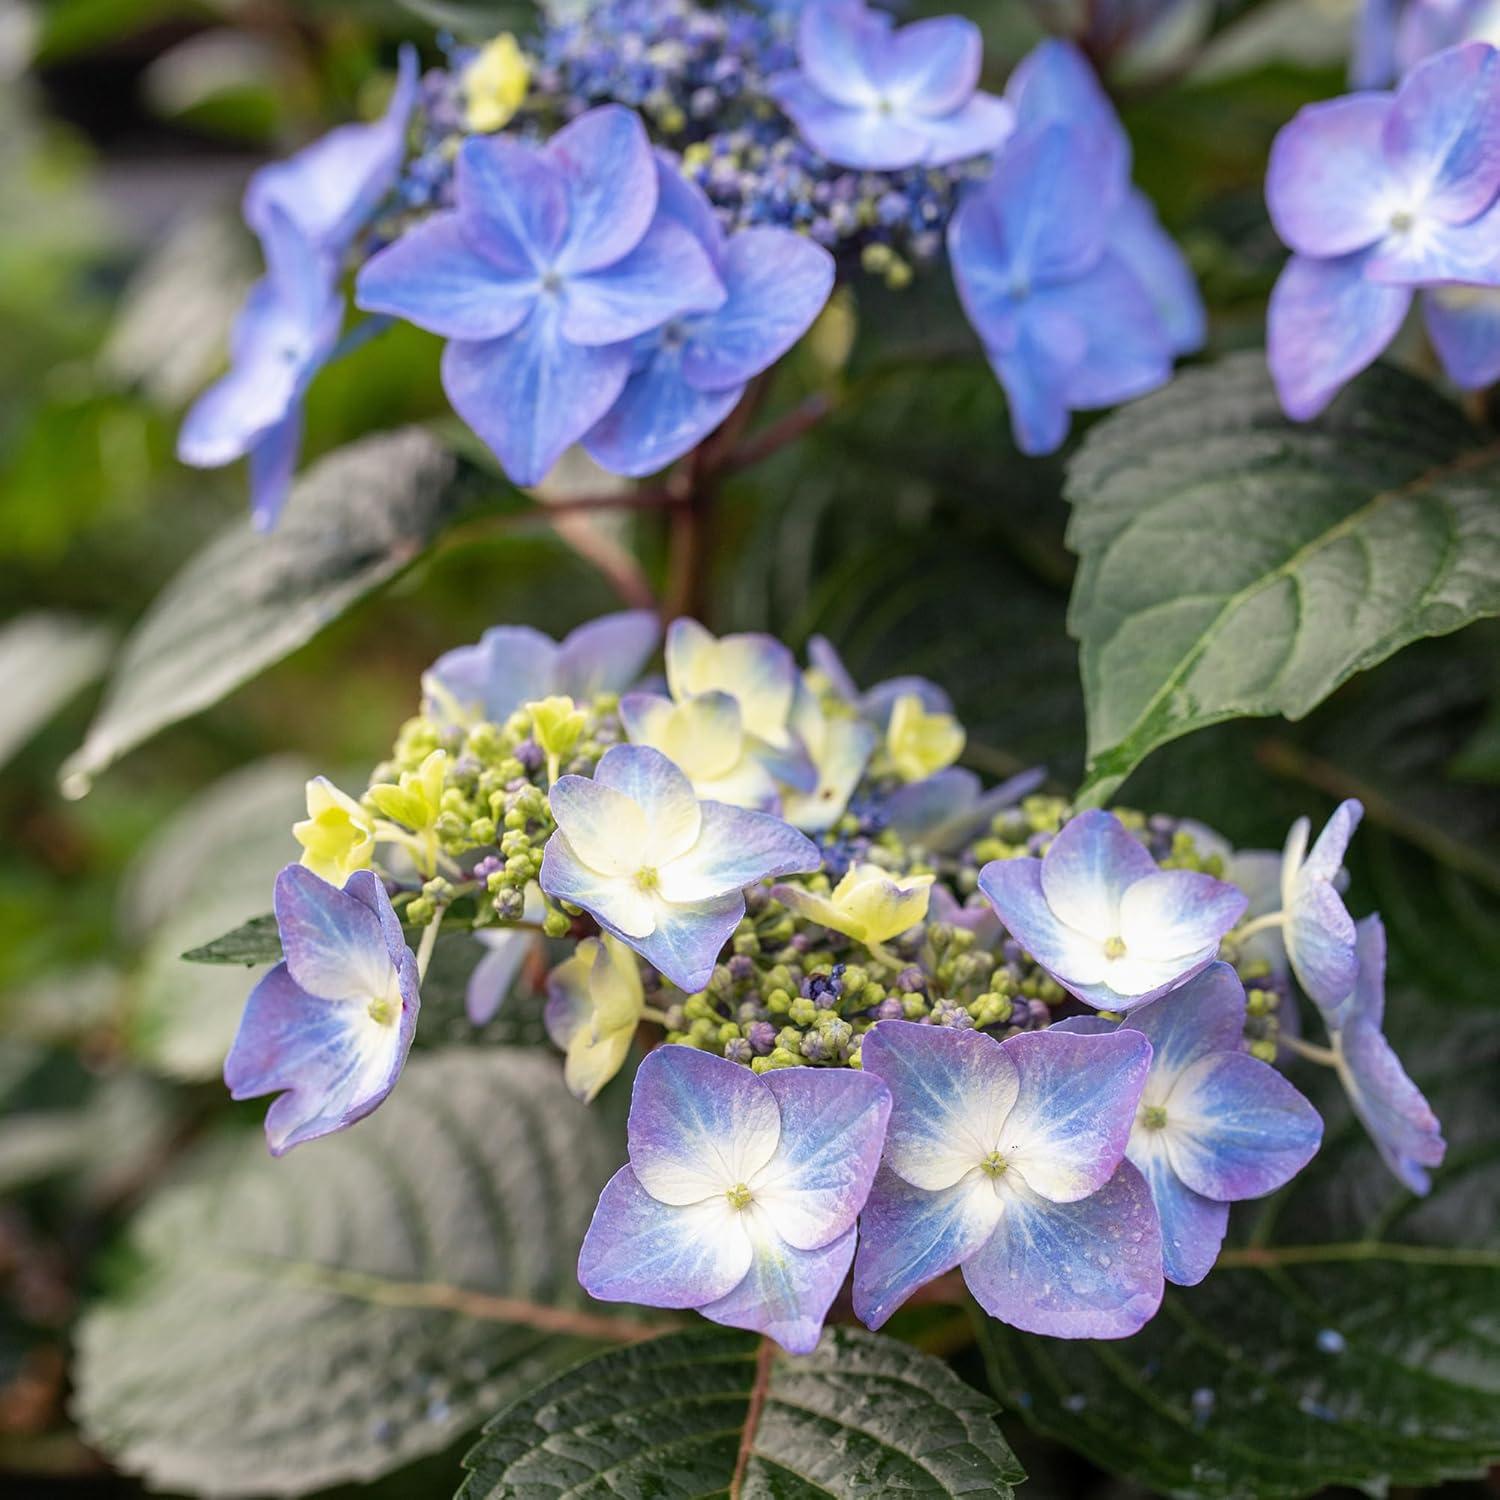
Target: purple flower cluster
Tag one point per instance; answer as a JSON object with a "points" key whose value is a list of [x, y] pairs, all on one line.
{"points": [[1381, 196], [579, 295], [603, 286], [1051, 1084]]}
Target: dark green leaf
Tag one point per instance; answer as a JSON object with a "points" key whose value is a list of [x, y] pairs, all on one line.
{"points": [[354, 521], [364, 1301], [1234, 563], [719, 1412], [254, 942]]}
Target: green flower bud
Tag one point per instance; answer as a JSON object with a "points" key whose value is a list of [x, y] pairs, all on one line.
{"points": [[802, 1011], [555, 924]]}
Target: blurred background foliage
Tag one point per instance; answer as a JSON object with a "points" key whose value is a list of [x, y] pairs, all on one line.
{"points": [[905, 527]]}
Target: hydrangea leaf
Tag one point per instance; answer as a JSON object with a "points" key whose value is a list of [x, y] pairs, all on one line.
{"points": [[1234, 563], [1344, 1338], [45, 660], [354, 521], [723, 1413], [254, 942], [337, 1314]]}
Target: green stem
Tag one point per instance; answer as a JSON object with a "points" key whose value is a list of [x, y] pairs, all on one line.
{"points": [[1311, 1051], [1260, 924], [428, 943]]}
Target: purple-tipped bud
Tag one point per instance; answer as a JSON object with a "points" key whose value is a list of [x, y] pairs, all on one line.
{"points": [[762, 1037]]}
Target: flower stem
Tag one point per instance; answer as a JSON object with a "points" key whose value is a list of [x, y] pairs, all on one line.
{"points": [[1260, 924], [428, 943], [1311, 1051]]}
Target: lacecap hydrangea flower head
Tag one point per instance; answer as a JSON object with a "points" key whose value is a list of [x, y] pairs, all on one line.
{"points": [[621, 224], [935, 1028]]}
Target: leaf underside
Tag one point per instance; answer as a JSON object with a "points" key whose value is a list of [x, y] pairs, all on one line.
{"points": [[363, 1301], [353, 521], [1233, 563]]}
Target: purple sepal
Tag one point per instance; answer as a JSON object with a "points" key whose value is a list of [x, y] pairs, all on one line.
{"points": [[514, 664], [1006, 1158], [741, 1195], [1391, 1107], [876, 98], [329, 1027], [1103, 921], [554, 259]]}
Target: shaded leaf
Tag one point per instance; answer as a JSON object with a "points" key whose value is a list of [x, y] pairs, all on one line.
{"points": [[354, 521], [339, 1313], [1233, 563], [254, 942], [45, 659], [473, 20], [214, 859], [718, 1412]]}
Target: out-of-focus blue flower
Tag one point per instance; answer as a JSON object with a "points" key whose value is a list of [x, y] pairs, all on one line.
{"points": [[1392, 36], [1391, 1107], [514, 664], [1317, 930], [689, 374], [741, 1194], [1378, 195], [1007, 1159], [1463, 323], [307, 211], [1080, 299], [554, 261], [867, 94], [330, 1026], [283, 336], [663, 872], [330, 189], [1214, 1124], [1103, 921]]}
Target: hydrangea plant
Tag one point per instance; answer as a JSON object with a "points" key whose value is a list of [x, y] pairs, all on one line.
{"points": [[864, 1020]]}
